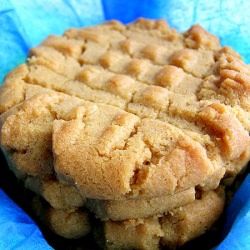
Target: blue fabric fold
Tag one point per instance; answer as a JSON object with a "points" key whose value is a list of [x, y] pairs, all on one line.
{"points": [[17, 230], [24, 24], [236, 233]]}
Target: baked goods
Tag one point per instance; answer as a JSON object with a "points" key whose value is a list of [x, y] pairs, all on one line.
{"points": [[119, 210], [115, 116], [172, 229], [70, 223]]}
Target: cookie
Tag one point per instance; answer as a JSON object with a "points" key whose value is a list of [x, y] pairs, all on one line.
{"points": [[193, 220], [77, 119], [117, 210], [58, 194], [136, 115], [130, 234], [172, 229], [31, 151], [70, 223]]}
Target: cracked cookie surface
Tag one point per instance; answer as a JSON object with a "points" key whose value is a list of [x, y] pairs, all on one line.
{"points": [[127, 115]]}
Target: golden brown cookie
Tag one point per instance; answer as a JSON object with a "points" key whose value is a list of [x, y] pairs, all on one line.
{"points": [[188, 222], [172, 229], [122, 147], [70, 223], [129, 115], [141, 233], [118, 210], [58, 194]]}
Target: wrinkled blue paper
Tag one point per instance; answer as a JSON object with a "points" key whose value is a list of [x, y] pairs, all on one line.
{"points": [[236, 232], [24, 24], [17, 230]]}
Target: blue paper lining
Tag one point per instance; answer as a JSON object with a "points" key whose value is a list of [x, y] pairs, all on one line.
{"points": [[17, 230], [236, 234]]}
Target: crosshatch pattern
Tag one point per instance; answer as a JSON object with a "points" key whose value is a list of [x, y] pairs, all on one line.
{"points": [[137, 115]]}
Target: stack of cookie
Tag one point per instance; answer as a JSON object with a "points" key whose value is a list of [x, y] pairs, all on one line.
{"points": [[138, 125]]}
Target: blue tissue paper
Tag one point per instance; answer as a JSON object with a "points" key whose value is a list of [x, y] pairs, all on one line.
{"points": [[17, 230], [24, 24]]}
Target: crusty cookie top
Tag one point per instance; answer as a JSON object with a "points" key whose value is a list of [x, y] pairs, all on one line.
{"points": [[129, 111]]}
